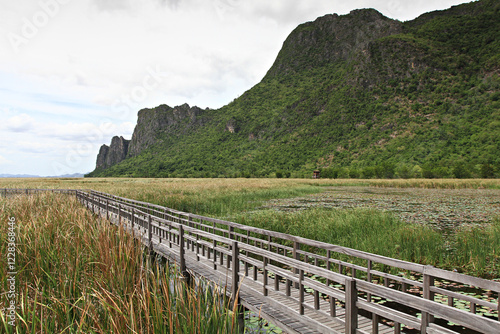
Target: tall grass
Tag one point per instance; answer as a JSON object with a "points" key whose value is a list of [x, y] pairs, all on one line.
{"points": [[214, 197], [78, 274], [417, 183], [477, 250]]}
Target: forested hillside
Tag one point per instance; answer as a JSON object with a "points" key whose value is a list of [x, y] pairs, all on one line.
{"points": [[359, 95]]}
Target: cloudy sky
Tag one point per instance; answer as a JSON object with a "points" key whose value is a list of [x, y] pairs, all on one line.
{"points": [[73, 73]]}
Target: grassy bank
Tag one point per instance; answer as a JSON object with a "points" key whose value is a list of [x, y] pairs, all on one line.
{"points": [[79, 274]]}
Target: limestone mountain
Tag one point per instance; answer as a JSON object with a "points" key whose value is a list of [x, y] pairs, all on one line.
{"points": [[113, 154], [359, 95]]}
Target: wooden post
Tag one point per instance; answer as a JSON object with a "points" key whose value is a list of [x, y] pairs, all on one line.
{"points": [[235, 287], [296, 256], [288, 286], [182, 258], [427, 294], [264, 278], [132, 221], [150, 234], [316, 299], [190, 224], [235, 277], [374, 323], [160, 231], [246, 253], [119, 214], [231, 236], [214, 245], [369, 279], [375, 317], [198, 247], [107, 210], [351, 310], [397, 327], [328, 265], [301, 293], [333, 306]]}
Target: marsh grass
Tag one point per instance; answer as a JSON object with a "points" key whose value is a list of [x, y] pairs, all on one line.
{"points": [[214, 197], [417, 183], [372, 231], [477, 250], [79, 274]]}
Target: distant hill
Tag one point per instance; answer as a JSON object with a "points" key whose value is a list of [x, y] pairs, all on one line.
{"points": [[36, 176], [358, 95]]}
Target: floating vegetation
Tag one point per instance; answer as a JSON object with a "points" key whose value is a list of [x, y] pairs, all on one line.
{"points": [[445, 209]]}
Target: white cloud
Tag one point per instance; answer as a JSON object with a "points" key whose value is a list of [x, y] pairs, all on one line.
{"points": [[4, 161], [67, 67], [85, 132], [19, 123]]}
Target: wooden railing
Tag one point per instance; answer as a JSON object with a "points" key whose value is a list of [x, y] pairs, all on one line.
{"points": [[337, 277]]}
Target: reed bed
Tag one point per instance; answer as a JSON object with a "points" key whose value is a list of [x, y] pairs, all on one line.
{"points": [[76, 273], [470, 249], [224, 197], [214, 197]]}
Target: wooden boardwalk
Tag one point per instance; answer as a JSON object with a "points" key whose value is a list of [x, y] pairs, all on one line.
{"points": [[301, 285]]}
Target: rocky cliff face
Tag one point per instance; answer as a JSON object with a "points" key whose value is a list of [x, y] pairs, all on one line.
{"points": [[113, 154], [152, 125], [162, 121], [330, 39]]}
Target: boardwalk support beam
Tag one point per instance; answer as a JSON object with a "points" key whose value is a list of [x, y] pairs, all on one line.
{"points": [[182, 257], [351, 310], [235, 287]]}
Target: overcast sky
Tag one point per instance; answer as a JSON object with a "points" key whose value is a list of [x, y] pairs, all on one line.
{"points": [[73, 73]]}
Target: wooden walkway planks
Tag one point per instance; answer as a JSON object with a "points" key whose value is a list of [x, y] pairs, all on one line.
{"points": [[275, 307], [249, 290]]}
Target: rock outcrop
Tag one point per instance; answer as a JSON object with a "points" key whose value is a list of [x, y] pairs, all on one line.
{"points": [[330, 39], [152, 125], [163, 120], [113, 154]]}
